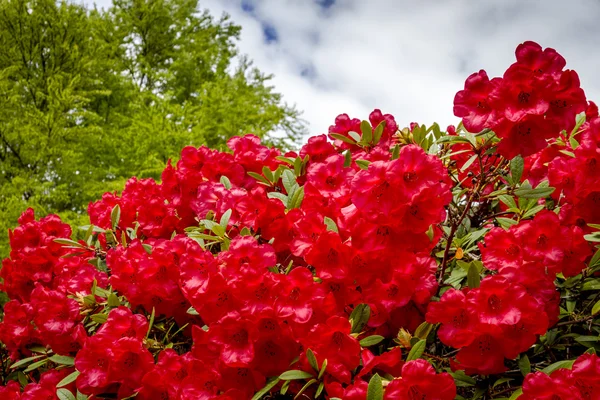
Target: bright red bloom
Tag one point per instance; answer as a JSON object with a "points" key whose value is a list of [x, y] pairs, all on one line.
{"points": [[332, 341], [558, 386], [236, 336], [472, 103], [419, 381], [12, 391], [459, 322]]}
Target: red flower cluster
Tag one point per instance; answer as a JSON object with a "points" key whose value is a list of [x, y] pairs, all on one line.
{"points": [[582, 382], [535, 100], [303, 272]]}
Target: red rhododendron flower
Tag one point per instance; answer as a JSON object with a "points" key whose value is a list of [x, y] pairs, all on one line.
{"points": [[419, 380]]}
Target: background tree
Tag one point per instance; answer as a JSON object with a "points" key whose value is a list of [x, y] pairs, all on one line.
{"points": [[89, 98]]}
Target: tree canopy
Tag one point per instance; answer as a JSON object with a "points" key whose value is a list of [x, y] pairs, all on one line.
{"points": [[91, 97]]}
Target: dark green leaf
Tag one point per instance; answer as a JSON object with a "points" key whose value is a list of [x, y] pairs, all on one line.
{"points": [[359, 317], [423, 330], [516, 169], [537, 193], [378, 132], [367, 132], [557, 365], [473, 277], [524, 364], [115, 216], [417, 350]]}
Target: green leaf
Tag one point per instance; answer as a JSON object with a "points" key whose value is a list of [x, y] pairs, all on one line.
{"points": [[473, 277], [462, 380], [516, 394], [468, 163], [396, 152], [363, 164], [296, 200], [343, 138], [508, 200], [590, 284], [375, 388], [557, 365], [151, 322], [148, 248], [295, 374], [595, 258], [596, 308], [331, 225], [322, 370], [259, 178], [537, 193], [516, 169], [417, 350], [81, 396], [115, 216], [359, 317], [367, 132], [355, 136], [25, 361], [113, 300], [378, 132], [371, 340], [592, 237], [501, 381], [225, 182], [506, 222], [69, 242], [225, 218], [312, 360], [306, 386], [267, 173], [319, 389], [35, 365], [280, 196], [531, 212], [423, 330], [524, 364], [62, 360], [270, 385], [192, 311], [288, 180], [65, 394], [347, 158], [68, 379]]}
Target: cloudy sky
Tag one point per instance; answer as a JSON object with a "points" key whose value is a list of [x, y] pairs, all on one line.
{"points": [[407, 58]]}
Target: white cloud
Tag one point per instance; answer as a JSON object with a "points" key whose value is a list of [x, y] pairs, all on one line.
{"points": [[408, 58]]}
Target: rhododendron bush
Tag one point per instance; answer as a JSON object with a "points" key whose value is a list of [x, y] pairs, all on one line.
{"points": [[376, 263]]}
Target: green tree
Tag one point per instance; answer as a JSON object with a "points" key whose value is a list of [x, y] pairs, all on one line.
{"points": [[89, 98]]}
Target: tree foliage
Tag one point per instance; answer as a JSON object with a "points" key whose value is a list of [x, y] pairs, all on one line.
{"points": [[89, 97]]}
